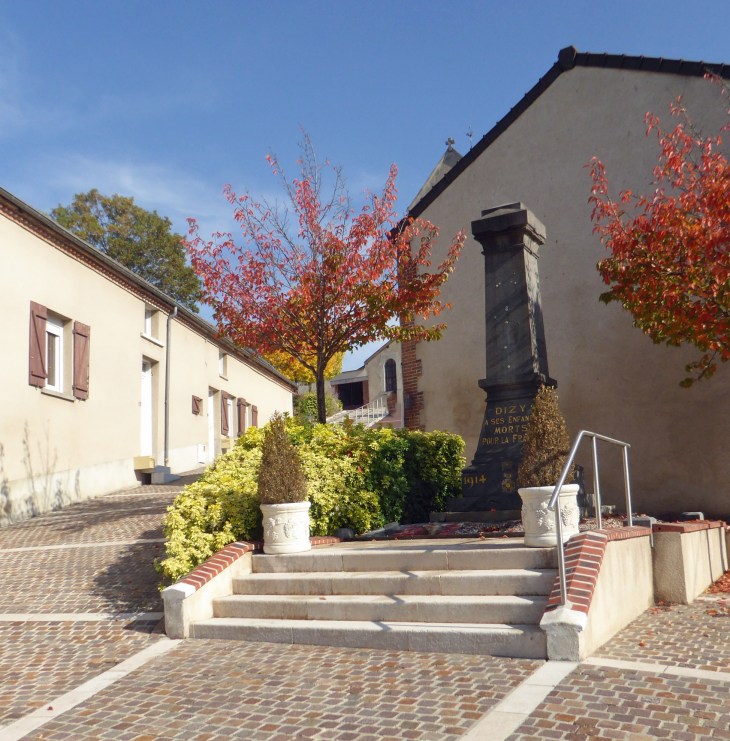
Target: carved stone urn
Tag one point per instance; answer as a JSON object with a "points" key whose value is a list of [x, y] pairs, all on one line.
{"points": [[539, 521], [286, 527]]}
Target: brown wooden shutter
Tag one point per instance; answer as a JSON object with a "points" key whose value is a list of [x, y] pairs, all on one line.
{"points": [[241, 406], [197, 404], [37, 363], [254, 416], [224, 414], [82, 334]]}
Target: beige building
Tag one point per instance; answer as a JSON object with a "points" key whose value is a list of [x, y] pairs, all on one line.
{"points": [[611, 378], [115, 383], [380, 376]]}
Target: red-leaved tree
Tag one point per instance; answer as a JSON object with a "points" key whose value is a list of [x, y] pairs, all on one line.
{"points": [[313, 278], [670, 251]]}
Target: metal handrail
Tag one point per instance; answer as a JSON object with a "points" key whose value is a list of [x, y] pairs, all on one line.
{"points": [[369, 413], [555, 498]]}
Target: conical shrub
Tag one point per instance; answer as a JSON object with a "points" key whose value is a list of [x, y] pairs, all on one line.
{"points": [[281, 477], [546, 445]]}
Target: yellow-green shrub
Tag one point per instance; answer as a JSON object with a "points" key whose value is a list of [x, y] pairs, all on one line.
{"points": [[356, 477]]}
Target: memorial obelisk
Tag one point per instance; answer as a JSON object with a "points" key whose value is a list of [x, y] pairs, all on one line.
{"points": [[517, 366]]}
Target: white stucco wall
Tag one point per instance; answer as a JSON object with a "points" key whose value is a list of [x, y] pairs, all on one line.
{"points": [[611, 377], [57, 450]]}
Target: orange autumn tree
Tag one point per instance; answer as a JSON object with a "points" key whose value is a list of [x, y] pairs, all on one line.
{"points": [[293, 369], [670, 251], [314, 279]]}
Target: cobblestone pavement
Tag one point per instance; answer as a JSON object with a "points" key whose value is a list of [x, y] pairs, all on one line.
{"points": [[696, 635], [39, 661], [595, 702], [128, 515], [216, 690], [99, 579]]}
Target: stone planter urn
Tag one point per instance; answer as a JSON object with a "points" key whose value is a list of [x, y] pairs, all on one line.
{"points": [[286, 527], [539, 521]]}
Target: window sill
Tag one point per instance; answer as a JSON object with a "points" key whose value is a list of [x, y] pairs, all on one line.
{"points": [[225, 378], [151, 339], [57, 395]]}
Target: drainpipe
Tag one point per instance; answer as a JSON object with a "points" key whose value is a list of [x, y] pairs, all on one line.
{"points": [[170, 317]]}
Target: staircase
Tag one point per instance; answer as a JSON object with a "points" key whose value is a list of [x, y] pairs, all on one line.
{"points": [[369, 414], [474, 596]]}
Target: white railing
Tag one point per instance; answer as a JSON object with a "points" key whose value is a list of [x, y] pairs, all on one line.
{"points": [[554, 499], [368, 414]]}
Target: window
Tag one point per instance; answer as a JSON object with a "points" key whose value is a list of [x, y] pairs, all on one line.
{"points": [[391, 379], [222, 364], [148, 321], [58, 356], [54, 354]]}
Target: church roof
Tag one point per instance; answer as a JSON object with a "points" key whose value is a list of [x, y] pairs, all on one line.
{"points": [[568, 58], [450, 158]]}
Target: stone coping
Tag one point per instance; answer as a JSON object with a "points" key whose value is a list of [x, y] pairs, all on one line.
{"points": [[213, 566], [688, 527], [624, 533]]}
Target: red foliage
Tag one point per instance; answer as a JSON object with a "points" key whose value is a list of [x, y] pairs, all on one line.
{"points": [[670, 251], [315, 279]]}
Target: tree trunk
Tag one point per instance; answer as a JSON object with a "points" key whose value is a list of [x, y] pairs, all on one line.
{"points": [[321, 405]]}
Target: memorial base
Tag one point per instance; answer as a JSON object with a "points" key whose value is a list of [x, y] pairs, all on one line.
{"points": [[489, 517], [490, 482]]}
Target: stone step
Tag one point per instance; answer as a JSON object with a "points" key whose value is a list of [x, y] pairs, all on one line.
{"points": [[410, 556], [478, 582], [508, 610], [517, 641]]}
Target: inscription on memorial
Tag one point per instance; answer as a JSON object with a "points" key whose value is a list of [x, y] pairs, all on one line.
{"points": [[507, 426]]}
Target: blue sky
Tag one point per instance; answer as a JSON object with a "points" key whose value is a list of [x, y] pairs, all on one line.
{"points": [[168, 101]]}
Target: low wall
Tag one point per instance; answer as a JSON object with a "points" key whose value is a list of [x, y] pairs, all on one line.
{"points": [[687, 558], [609, 581], [190, 599]]}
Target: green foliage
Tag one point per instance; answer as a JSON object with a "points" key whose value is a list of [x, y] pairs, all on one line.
{"points": [[305, 406], [138, 239], [281, 478], [356, 477], [547, 444], [219, 508]]}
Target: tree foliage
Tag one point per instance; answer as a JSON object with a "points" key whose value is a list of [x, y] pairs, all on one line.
{"points": [[670, 250], [546, 445], [316, 280], [293, 369], [140, 240]]}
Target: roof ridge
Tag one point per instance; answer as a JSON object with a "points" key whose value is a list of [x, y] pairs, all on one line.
{"points": [[568, 58]]}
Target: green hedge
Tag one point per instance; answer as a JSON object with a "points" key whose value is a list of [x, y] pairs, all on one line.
{"points": [[356, 477]]}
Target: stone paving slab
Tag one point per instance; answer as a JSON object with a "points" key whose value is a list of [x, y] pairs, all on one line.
{"points": [[595, 702], [39, 661], [215, 690], [100, 579], [696, 636]]}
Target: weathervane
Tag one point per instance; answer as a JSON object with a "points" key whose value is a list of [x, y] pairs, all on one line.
{"points": [[470, 134]]}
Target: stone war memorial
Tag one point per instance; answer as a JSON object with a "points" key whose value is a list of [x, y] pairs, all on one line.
{"points": [[516, 359]]}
